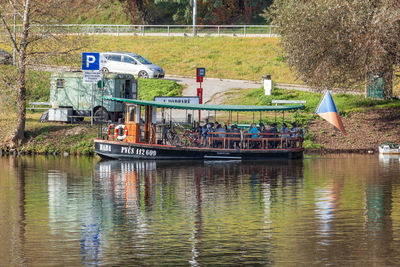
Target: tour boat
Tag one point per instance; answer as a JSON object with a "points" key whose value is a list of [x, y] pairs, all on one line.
{"points": [[163, 139]]}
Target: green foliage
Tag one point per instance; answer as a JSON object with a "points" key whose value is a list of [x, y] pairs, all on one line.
{"points": [[38, 86], [149, 88]]}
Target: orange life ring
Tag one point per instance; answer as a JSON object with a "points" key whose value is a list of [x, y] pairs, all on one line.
{"points": [[116, 134]]}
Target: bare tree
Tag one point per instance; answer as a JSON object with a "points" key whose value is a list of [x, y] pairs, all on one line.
{"points": [[342, 42], [36, 41]]}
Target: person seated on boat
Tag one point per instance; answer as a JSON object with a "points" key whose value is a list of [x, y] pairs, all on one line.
{"points": [[274, 130], [221, 133], [254, 131], [261, 127], [284, 130], [296, 132], [208, 133], [236, 134], [204, 131], [197, 129]]}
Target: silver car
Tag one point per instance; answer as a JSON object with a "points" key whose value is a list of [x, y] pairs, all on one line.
{"points": [[124, 62]]}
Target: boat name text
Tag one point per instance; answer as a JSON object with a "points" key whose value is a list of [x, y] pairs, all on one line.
{"points": [[104, 147], [138, 151]]}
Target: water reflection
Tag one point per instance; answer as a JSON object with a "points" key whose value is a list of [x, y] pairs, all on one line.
{"points": [[331, 210]]}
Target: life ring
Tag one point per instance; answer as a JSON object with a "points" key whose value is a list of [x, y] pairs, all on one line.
{"points": [[116, 132], [109, 130]]}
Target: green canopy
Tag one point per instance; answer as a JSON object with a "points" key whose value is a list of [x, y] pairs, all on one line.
{"points": [[242, 108]]}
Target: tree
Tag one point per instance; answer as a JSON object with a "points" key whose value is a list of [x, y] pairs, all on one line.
{"points": [[340, 43], [35, 42]]}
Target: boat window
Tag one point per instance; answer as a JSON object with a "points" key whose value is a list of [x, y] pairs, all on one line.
{"points": [[60, 83], [132, 114], [128, 88], [121, 88]]}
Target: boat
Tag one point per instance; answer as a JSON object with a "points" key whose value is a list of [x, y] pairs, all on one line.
{"points": [[389, 148], [163, 139]]}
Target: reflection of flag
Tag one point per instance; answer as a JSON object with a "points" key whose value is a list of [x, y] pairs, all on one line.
{"points": [[327, 110]]}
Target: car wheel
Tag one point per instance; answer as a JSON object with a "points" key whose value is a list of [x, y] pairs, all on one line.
{"points": [[143, 74], [101, 115], [105, 70]]}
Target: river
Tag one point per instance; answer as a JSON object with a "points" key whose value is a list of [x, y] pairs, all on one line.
{"points": [[337, 210]]}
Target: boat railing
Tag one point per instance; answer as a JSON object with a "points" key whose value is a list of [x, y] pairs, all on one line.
{"points": [[254, 140], [228, 140]]}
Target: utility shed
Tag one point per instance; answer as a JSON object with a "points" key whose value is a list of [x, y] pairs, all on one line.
{"points": [[67, 90]]}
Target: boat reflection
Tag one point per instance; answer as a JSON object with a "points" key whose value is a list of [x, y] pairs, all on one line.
{"points": [[143, 187]]}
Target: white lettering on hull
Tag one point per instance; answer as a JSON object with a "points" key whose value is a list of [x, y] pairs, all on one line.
{"points": [[104, 147], [138, 151]]}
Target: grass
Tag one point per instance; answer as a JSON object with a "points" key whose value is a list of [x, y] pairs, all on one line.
{"points": [[223, 57], [149, 88]]}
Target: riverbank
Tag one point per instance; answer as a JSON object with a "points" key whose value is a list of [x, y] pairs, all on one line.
{"points": [[366, 129]]}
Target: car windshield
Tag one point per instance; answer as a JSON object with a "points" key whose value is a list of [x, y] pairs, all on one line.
{"points": [[142, 60]]}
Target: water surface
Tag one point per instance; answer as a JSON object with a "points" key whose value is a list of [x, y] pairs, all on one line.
{"points": [[335, 210]]}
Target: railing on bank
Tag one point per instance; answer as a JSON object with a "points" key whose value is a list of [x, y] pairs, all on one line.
{"points": [[158, 30]]}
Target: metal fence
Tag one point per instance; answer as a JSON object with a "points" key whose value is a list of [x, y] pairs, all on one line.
{"points": [[159, 30]]}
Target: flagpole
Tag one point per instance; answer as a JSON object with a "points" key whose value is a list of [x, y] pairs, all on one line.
{"points": [[315, 111]]}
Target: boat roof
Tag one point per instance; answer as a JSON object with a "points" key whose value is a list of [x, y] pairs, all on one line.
{"points": [[242, 108]]}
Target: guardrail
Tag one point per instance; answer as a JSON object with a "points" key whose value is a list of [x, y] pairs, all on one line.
{"points": [[159, 30]]}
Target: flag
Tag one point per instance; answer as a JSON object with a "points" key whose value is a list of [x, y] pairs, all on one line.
{"points": [[327, 110]]}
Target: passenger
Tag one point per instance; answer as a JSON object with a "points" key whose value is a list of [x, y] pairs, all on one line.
{"points": [[210, 130], [274, 130], [197, 129], [254, 131], [261, 127], [285, 137], [296, 132], [204, 133], [235, 130], [222, 133]]}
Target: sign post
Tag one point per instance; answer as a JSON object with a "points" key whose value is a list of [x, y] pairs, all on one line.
{"points": [[91, 65], [200, 74]]}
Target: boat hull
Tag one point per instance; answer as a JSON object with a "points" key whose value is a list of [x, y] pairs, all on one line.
{"points": [[388, 150], [125, 150]]}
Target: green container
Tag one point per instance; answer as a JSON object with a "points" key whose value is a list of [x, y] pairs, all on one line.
{"points": [[67, 89], [376, 87]]}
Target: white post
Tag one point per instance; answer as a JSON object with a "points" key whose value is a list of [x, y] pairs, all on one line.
{"points": [[267, 84], [194, 17]]}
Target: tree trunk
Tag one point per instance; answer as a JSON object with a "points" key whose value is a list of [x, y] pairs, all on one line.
{"points": [[388, 82], [17, 136]]}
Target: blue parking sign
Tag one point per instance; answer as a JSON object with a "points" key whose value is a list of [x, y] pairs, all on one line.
{"points": [[201, 72], [90, 61]]}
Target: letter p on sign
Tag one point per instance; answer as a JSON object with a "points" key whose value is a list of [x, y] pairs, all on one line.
{"points": [[90, 61]]}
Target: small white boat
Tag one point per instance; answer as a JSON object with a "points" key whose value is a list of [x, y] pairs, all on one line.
{"points": [[389, 148]]}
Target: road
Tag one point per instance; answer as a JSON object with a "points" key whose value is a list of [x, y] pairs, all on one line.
{"points": [[211, 86]]}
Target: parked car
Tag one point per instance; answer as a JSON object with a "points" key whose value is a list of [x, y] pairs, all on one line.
{"points": [[123, 62], [5, 58]]}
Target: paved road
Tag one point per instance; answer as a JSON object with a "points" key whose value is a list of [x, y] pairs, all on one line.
{"points": [[211, 86]]}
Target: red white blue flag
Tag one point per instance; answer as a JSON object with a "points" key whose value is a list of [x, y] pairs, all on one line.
{"points": [[327, 110]]}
